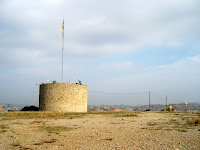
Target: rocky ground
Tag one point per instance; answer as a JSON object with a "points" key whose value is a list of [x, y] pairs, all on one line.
{"points": [[149, 130]]}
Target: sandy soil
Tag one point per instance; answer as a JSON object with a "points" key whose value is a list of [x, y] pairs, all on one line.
{"points": [[92, 131]]}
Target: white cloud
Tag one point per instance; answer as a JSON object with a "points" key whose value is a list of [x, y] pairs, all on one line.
{"points": [[194, 58], [93, 21], [101, 25], [116, 65], [179, 81], [20, 57]]}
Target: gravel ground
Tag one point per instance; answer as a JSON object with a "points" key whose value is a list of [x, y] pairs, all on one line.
{"points": [[147, 130]]}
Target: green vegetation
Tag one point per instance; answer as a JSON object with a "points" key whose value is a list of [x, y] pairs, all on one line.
{"points": [[39, 114], [55, 129], [60, 115]]}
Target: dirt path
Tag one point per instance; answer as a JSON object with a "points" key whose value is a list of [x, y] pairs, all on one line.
{"points": [[145, 131]]}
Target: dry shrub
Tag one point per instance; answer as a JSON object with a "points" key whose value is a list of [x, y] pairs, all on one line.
{"points": [[19, 145], [16, 144], [117, 123], [194, 120], [182, 130], [50, 141], [126, 115], [2, 131], [151, 123], [46, 141], [195, 112], [38, 122], [111, 112], [180, 112], [40, 143], [108, 139], [3, 126]]}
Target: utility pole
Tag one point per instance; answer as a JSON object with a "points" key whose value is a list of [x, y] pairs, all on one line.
{"points": [[149, 100], [166, 101], [185, 105]]}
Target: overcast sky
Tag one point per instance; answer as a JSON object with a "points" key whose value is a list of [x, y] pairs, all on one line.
{"points": [[113, 46]]}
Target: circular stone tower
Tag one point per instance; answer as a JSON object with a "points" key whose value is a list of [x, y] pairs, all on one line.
{"points": [[65, 97]]}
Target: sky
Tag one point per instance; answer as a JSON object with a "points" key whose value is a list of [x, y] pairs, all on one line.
{"points": [[123, 48]]}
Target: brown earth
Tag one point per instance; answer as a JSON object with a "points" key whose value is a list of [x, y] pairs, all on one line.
{"points": [[149, 130]]}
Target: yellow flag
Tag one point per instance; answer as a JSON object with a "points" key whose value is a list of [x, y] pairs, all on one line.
{"points": [[63, 27]]}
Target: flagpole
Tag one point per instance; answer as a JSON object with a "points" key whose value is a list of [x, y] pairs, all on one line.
{"points": [[62, 58], [62, 51]]}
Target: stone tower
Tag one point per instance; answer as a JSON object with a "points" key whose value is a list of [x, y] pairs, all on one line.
{"points": [[65, 97]]}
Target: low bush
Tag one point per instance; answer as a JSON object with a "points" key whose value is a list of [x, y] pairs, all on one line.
{"points": [[30, 108]]}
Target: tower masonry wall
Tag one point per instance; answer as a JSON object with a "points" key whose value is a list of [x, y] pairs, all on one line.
{"points": [[65, 97]]}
